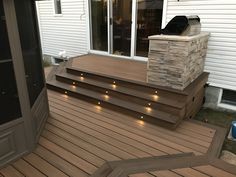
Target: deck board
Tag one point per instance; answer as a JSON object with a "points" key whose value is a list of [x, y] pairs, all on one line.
{"points": [[79, 137], [111, 66]]}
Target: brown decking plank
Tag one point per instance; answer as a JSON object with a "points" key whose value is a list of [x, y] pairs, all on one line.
{"points": [[159, 140], [141, 175], [93, 140], [127, 153], [116, 138], [10, 171], [43, 166], [165, 173], [59, 163], [82, 153], [213, 171], [189, 172], [26, 169], [112, 66], [74, 117], [68, 156], [93, 118], [197, 128], [194, 135], [163, 132], [83, 144]]}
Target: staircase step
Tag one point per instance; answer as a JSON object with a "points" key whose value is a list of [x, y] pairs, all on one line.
{"points": [[161, 99], [100, 100], [141, 86]]}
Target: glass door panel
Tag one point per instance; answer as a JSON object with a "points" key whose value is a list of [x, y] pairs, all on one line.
{"points": [[28, 31], [99, 34], [9, 100], [121, 27], [149, 18]]}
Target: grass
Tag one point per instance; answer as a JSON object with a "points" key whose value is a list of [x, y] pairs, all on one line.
{"points": [[222, 119]]}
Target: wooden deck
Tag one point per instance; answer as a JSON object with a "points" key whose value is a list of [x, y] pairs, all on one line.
{"points": [[80, 137], [113, 67]]}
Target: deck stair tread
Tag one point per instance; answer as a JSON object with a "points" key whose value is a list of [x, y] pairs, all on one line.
{"points": [[151, 86], [115, 101], [162, 99]]}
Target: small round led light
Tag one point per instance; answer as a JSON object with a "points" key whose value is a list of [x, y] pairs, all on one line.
{"points": [[81, 74], [99, 103], [149, 104], [155, 92], [114, 82], [141, 117], [65, 92], [73, 83], [107, 92]]}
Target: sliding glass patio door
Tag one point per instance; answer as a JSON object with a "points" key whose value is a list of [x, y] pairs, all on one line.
{"points": [[122, 27]]}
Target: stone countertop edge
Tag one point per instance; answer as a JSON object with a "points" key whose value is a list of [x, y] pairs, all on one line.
{"points": [[178, 38]]}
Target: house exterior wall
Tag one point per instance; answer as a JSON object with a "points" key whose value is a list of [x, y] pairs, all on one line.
{"points": [[219, 18], [66, 31], [69, 32]]}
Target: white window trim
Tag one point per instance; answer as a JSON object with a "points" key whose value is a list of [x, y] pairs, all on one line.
{"points": [[54, 9], [224, 105]]}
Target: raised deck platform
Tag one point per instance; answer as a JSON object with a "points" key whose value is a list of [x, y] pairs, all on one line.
{"points": [[121, 85]]}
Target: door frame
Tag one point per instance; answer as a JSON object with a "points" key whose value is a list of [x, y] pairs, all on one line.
{"points": [[133, 31]]}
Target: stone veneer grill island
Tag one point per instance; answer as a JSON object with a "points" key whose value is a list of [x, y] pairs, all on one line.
{"points": [[176, 61]]}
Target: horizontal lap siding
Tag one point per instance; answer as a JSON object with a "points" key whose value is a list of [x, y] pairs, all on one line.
{"points": [[219, 18], [66, 32]]}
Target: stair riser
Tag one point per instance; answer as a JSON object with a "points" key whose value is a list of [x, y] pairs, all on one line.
{"points": [[128, 84], [137, 100], [122, 110]]}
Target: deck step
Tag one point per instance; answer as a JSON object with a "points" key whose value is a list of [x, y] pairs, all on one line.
{"points": [[100, 100], [142, 99], [162, 106]]}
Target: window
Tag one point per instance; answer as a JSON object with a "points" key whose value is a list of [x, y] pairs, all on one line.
{"points": [[229, 97], [57, 5]]}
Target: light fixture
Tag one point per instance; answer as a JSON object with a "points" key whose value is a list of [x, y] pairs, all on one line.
{"points": [[99, 103], [141, 117], [81, 74], [66, 92], [149, 104], [114, 82], [74, 83], [156, 92], [107, 92]]}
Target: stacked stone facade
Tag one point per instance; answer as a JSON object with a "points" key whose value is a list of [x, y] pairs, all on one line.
{"points": [[176, 61]]}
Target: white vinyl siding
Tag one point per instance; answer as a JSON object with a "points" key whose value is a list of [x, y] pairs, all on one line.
{"points": [[63, 32], [219, 18]]}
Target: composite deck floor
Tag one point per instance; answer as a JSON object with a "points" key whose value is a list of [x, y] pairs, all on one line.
{"points": [[79, 137], [112, 67]]}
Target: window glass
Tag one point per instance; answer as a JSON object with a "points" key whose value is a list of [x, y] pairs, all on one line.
{"points": [[31, 49], [9, 100], [57, 4], [229, 97], [99, 25], [149, 18]]}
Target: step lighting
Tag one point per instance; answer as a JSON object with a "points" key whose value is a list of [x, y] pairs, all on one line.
{"points": [[81, 74], [65, 92], [114, 84], [141, 117], [107, 92], [156, 92], [74, 83], [149, 104], [99, 103]]}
